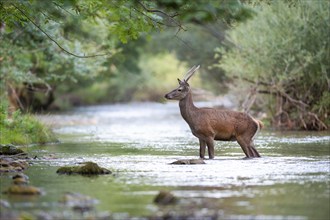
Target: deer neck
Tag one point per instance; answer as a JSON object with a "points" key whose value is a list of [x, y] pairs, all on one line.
{"points": [[187, 108]]}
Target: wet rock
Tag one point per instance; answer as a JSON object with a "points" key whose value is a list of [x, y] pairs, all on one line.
{"points": [[165, 198], [192, 208], [4, 204], [23, 190], [20, 179], [10, 149], [20, 164], [12, 165], [12, 159], [87, 168], [21, 175], [79, 202], [189, 162], [20, 186]]}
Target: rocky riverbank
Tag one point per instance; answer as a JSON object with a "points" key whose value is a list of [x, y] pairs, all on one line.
{"points": [[13, 159]]}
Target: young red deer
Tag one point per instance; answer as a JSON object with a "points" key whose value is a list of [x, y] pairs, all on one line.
{"points": [[209, 124]]}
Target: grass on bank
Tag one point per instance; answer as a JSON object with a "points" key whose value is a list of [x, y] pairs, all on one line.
{"points": [[22, 129]]}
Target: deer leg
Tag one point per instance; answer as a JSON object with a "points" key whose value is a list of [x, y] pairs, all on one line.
{"points": [[202, 146], [245, 147], [254, 150], [210, 147]]}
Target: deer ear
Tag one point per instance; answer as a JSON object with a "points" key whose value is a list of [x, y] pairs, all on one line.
{"points": [[180, 82]]}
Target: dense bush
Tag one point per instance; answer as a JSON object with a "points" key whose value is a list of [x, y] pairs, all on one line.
{"points": [[284, 52]]}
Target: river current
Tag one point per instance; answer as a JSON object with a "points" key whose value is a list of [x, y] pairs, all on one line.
{"points": [[138, 141]]}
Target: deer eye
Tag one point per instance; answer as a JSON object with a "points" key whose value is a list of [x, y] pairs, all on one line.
{"points": [[179, 90]]}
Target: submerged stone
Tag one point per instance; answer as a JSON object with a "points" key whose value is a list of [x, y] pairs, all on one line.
{"points": [[189, 162], [23, 190], [20, 179], [87, 168], [165, 198], [20, 175], [79, 202]]}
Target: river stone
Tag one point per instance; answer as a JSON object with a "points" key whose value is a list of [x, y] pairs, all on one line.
{"points": [[21, 175], [165, 198], [4, 204], [79, 201], [20, 163], [87, 168], [12, 165], [23, 190], [10, 149], [20, 179], [189, 161]]}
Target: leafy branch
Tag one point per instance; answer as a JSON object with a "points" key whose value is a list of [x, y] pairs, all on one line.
{"points": [[170, 17], [53, 40]]}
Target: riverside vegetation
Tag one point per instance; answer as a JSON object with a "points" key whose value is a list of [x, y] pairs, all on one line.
{"points": [[281, 67], [22, 129]]}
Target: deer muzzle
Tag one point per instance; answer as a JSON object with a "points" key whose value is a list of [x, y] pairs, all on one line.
{"points": [[168, 96]]}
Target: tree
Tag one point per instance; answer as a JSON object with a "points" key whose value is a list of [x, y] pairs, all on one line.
{"points": [[284, 53], [42, 42]]}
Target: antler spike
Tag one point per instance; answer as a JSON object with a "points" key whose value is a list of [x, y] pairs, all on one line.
{"points": [[191, 72]]}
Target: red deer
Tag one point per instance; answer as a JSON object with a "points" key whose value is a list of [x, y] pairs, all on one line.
{"points": [[209, 124]]}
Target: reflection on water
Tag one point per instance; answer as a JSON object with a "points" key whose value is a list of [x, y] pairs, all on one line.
{"points": [[139, 141]]}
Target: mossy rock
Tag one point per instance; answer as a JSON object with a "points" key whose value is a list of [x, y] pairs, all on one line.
{"points": [[87, 168], [10, 149], [165, 198], [189, 162], [23, 190]]}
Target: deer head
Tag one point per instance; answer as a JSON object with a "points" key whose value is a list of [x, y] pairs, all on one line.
{"points": [[184, 88]]}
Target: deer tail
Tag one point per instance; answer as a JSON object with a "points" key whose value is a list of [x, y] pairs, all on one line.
{"points": [[260, 125]]}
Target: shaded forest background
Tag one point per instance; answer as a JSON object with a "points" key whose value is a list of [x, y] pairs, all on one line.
{"points": [[273, 55]]}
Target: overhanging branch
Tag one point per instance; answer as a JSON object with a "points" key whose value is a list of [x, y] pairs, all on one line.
{"points": [[53, 40], [170, 17], [285, 116]]}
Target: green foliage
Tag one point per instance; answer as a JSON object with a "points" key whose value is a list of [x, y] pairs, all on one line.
{"points": [[22, 129], [40, 41], [158, 78], [202, 12], [189, 47], [286, 54], [154, 79], [29, 58]]}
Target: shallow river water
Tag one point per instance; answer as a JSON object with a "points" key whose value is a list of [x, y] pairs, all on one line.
{"points": [[138, 141]]}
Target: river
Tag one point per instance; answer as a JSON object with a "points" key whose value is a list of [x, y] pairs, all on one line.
{"points": [[138, 141]]}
